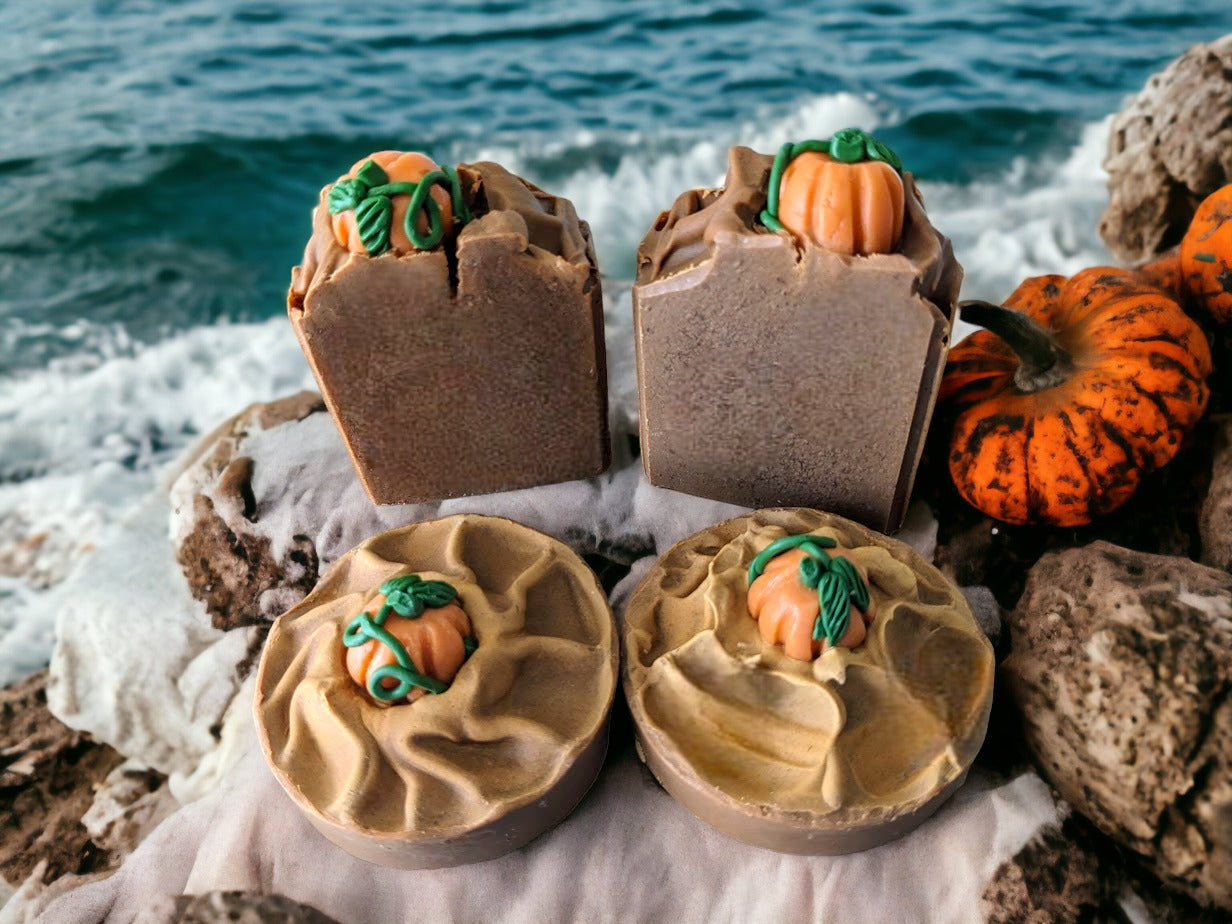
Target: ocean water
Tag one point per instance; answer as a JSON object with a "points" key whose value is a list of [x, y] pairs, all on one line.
{"points": [[158, 162]]}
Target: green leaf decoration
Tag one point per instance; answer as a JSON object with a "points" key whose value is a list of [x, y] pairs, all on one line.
{"points": [[811, 569], [358, 631], [409, 595], [371, 174], [345, 195], [835, 616], [372, 217], [878, 151], [422, 201], [848, 146], [811, 544], [857, 589]]}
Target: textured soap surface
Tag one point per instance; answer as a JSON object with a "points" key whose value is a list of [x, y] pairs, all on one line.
{"points": [[777, 375], [450, 380], [826, 756], [481, 768]]}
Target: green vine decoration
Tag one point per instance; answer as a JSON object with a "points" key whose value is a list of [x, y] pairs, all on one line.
{"points": [[837, 581], [407, 595], [848, 146], [369, 194]]}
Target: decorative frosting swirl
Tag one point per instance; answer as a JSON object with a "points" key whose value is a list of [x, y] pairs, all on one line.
{"points": [[532, 698], [853, 737]]}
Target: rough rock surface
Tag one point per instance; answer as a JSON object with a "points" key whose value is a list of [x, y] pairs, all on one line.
{"points": [[232, 908], [229, 564], [1215, 521], [1121, 667], [1169, 149], [1054, 879], [48, 775], [128, 805]]}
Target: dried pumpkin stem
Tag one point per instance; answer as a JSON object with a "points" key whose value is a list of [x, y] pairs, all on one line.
{"points": [[1042, 363]]}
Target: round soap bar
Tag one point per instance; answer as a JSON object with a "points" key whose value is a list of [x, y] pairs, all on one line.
{"points": [[825, 756], [503, 753]]}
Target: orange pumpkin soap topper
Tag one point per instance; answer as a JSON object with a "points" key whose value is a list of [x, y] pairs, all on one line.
{"points": [[807, 598], [1074, 390], [411, 640], [396, 201], [844, 194]]}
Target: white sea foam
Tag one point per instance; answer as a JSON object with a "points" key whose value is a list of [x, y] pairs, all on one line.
{"points": [[82, 442], [81, 446], [1039, 218], [621, 203]]}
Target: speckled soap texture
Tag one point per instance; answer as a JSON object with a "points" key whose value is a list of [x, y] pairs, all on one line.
{"points": [[776, 375], [455, 378]]}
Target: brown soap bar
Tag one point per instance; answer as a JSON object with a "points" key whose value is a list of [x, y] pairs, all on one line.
{"points": [[776, 375], [453, 378]]}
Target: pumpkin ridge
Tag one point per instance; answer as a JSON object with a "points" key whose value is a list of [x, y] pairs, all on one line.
{"points": [[967, 392], [1177, 340], [1035, 500], [1164, 363], [1136, 313], [988, 424], [1121, 482], [1159, 403], [1134, 442], [1084, 464], [856, 231]]}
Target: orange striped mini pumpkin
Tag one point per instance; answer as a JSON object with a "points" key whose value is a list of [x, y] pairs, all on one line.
{"points": [[1076, 388]]}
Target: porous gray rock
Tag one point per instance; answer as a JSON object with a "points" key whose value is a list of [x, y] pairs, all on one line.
{"points": [[1121, 669], [1169, 149], [1054, 879], [1215, 520], [228, 561], [48, 777]]}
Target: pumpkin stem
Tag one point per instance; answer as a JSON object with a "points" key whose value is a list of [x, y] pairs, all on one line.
{"points": [[1042, 363]]}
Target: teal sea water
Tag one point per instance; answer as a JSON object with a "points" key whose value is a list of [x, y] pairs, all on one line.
{"points": [[159, 160]]}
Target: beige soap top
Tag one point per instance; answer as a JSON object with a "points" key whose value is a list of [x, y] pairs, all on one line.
{"points": [[857, 735]]}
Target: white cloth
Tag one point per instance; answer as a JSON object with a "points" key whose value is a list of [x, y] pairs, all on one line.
{"points": [[142, 669]]}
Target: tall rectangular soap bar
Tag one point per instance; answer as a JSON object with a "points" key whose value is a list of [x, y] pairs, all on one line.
{"points": [[775, 373], [473, 367]]}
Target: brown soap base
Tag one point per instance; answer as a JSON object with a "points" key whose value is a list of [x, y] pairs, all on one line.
{"points": [[443, 388], [778, 831], [515, 829], [480, 769], [775, 376], [831, 756]]}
